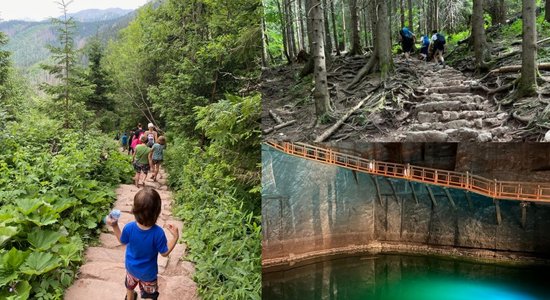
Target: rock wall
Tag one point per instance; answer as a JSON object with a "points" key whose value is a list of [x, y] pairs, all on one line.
{"points": [[308, 206]]}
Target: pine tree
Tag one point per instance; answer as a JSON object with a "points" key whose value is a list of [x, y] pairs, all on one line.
{"points": [[72, 88], [100, 98]]}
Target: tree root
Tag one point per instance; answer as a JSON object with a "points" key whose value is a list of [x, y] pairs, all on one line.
{"points": [[373, 98]]}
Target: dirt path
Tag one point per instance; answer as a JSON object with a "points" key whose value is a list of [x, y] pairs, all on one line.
{"points": [[424, 102], [102, 274]]}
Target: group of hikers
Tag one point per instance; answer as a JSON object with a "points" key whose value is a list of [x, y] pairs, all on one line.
{"points": [[147, 150], [431, 48]]}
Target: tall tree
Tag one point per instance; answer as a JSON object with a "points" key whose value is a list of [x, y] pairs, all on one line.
{"points": [[381, 59], [354, 24], [410, 8], [321, 95], [478, 35], [547, 11], [334, 29], [328, 42], [528, 80], [73, 89], [100, 99]]}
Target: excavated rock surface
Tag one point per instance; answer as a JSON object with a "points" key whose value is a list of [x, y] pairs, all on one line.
{"points": [[102, 275]]}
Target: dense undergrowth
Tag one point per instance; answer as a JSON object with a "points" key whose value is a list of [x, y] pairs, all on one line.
{"points": [[55, 186], [217, 193]]}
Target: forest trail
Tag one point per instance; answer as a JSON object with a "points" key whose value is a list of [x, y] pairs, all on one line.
{"points": [[447, 106], [102, 275], [423, 102]]}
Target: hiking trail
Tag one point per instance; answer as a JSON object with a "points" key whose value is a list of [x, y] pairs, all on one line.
{"points": [[103, 272], [422, 102]]}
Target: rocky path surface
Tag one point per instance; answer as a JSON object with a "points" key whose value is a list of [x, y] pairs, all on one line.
{"points": [[450, 107], [102, 275]]}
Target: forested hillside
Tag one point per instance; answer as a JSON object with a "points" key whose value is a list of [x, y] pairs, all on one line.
{"points": [[339, 64], [28, 40], [190, 67]]}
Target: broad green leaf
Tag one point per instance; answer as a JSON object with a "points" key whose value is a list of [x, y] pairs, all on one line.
{"points": [[81, 193], [62, 204], [39, 263], [43, 239], [46, 218], [29, 205], [21, 291], [6, 233], [14, 258]]}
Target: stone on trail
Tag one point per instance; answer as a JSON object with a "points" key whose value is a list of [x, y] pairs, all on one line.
{"points": [[438, 106], [463, 134], [457, 124], [484, 137], [492, 122], [426, 136], [426, 117], [450, 115]]}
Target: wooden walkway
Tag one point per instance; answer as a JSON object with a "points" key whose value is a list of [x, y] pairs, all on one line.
{"points": [[507, 190]]}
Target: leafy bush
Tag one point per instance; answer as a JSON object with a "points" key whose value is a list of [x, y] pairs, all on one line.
{"points": [[217, 195], [55, 186]]}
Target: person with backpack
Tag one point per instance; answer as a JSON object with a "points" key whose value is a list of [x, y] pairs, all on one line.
{"points": [[407, 39], [151, 135], [438, 46], [424, 48], [124, 141]]}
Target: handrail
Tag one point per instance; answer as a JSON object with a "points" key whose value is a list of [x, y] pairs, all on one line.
{"points": [[511, 190]]}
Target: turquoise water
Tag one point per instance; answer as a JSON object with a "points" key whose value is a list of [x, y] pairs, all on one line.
{"points": [[402, 277]]}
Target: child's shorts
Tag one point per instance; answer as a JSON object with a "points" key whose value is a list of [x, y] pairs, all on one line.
{"points": [[149, 289], [141, 168]]}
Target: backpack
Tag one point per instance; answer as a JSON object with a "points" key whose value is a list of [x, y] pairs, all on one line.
{"points": [[425, 41], [406, 34], [440, 38]]}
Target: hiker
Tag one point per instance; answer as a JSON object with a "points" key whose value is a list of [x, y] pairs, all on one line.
{"points": [[124, 141], [141, 161], [130, 140], [156, 156], [424, 48], [144, 240], [438, 46], [407, 39], [135, 140], [151, 135]]}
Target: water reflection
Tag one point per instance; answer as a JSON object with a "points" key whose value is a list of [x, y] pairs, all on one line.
{"points": [[402, 277]]}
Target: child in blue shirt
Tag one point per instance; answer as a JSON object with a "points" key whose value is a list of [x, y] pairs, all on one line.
{"points": [[144, 240], [157, 156]]}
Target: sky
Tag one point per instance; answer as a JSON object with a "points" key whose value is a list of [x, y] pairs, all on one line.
{"points": [[37, 10]]}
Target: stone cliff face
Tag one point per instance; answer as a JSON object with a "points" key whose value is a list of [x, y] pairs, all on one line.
{"points": [[308, 207]]}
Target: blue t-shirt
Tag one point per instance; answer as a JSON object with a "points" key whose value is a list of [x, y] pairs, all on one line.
{"points": [[158, 150], [142, 249]]}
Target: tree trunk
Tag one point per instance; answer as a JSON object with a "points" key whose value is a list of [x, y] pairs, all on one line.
{"points": [[299, 27], [265, 62], [383, 39], [354, 24], [290, 25], [528, 80], [547, 11], [410, 8], [320, 94], [402, 11], [334, 29], [436, 15], [283, 31], [365, 27], [478, 35], [328, 42], [344, 31]]}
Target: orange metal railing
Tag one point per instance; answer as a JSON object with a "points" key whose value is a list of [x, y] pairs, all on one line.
{"points": [[522, 191]]}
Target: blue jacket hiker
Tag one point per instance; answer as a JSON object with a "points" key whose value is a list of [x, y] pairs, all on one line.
{"points": [[144, 240]]}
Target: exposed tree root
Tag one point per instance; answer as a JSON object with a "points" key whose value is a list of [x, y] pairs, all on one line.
{"points": [[282, 125], [373, 98]]}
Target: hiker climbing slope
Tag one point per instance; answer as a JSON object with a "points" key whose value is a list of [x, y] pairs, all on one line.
{"points": [[407, 39], [438, 46]]}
